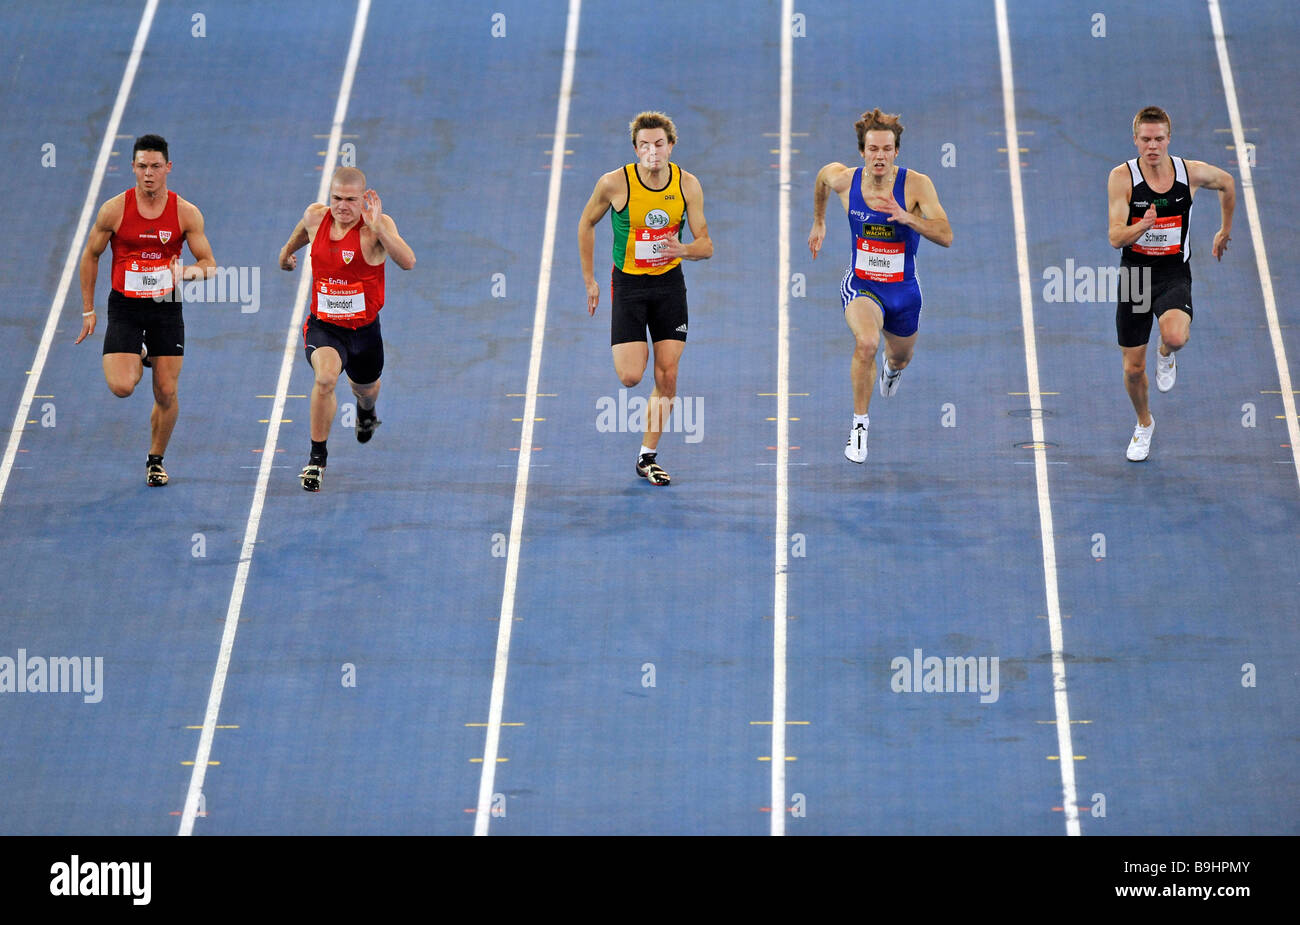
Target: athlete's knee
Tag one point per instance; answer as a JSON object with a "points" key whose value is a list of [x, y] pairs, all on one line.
{"points": [[122, 388], [164, 393], [629, 377], [666, 380], [1175, 339], [1134, 371], [865, 347], [326, 380]]}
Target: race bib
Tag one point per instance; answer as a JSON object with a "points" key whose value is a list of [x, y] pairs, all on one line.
{"points": [[880, 261], [650, 243], [341, 301], [145, 280], [1161, 239]]}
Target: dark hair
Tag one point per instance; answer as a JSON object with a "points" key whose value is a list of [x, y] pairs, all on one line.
{"points": [[150, 143]]}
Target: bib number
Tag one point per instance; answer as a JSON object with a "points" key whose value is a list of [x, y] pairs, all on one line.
{"points": [[880, 261]]}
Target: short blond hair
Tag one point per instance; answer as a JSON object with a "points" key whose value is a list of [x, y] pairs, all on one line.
{"points": [[348, 176], [653, 119], [1152, 114]]}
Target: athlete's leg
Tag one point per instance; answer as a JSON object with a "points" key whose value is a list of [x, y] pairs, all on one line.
{"points": [[366, 394], [327, 364], [866, 321], [1175, 328], [122, 372], [630, 361], [899, 350], [1135, 381], [668, 354], [166, 402]]}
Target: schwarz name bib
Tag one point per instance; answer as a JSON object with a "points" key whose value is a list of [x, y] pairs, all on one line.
{"points": [[1161, 239]]}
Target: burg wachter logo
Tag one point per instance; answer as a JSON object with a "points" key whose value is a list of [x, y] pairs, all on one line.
{"points": [[57, 674], [103, 878]]}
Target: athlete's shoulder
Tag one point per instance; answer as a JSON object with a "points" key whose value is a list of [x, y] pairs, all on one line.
{"points": [[187, 211], [314, 213], [1120, 177], [688, 179], [837, 176], [111, 212]]}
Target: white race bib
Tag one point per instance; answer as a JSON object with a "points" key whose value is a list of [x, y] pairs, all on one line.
{"points": [[337, 301], [880, 261], [1163, 238], [650, 243], [142, 280]]}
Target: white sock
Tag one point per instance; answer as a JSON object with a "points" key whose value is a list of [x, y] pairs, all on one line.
{"points": [[645, 449], [864, 420]]}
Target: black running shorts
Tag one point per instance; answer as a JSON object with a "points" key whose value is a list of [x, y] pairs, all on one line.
{"points": [[641, 302], [360, 349], [1165, 290], [157, 325]]}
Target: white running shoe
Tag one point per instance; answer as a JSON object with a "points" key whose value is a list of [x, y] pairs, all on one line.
{"points": [[888, 380], [856, 449], [1166, 371], [1139, 448]]}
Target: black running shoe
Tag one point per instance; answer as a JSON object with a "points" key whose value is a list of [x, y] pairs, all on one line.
{"points": [[155, 476], [648, 469], [366, 425], [312, 475]]}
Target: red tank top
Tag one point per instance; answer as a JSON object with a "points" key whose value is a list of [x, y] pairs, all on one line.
{"points": [[345, 290], [143, 249]]}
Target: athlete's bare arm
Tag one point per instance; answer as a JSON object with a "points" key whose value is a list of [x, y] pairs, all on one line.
{"points": [[106, 223], [191, 220], [1118, 189], [833, 177], [385, 231], [301, 235], [926, 215], [701, 246], [602, 197], [1201, 174]]}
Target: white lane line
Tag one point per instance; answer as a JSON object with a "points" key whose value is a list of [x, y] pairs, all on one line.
{"points": [[1064, 745], [492, 743], [268, 449], [782, 550], [1256, 234], [88, 209]]}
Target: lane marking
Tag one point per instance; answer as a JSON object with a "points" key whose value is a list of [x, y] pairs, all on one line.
{"points": [[1060, 698], [1257, 235], [781, 546], [88, 210], [492, 741], [268, 450]]}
